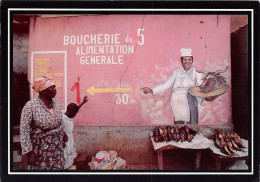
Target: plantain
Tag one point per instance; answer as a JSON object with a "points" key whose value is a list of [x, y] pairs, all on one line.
{"points": [[220, 136], [187, 130], [177, 130], [174, 136], [161, 132], [164, 130], [223, 151], [161, 139], [156, 139], [156, 131], [169, 135], [182, 135], [189, 137], [224, 135], [229, 152], [236, 135], [167, 138], [237, 139], [239, 142], [189, 133], [173, 133], [236, 147], [168, 129], [182, 138], [228, 135], [229, 144], [222, 142], [192, 136], [215, 136], [218, 143], [178, 137], [172, 130], [156, 134]]}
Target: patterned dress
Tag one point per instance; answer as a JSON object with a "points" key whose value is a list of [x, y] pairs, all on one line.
{"points": [[42, 132], [69, 151]]}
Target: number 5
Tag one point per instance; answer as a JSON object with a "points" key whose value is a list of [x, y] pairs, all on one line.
{"points": [[142, 36]]}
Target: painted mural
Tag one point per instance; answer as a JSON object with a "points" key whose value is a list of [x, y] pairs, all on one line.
{"points": [[112, 58]]}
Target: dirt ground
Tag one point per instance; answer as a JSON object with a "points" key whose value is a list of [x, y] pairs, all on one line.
{"points": [[173, 160]]}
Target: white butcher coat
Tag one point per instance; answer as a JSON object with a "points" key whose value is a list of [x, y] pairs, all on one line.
{"points": [[180, 81]]}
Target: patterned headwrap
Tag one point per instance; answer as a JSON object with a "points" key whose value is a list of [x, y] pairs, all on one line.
{"points": [[42, 83]]}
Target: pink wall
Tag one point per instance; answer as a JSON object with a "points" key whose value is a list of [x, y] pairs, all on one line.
{"points": [[148, 65]]}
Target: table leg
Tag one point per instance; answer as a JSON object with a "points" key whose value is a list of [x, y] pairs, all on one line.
{"points": [[218, 164], [160, 159], [197, 159]]}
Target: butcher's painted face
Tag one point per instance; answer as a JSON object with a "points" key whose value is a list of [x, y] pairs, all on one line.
{"points": [[186, 62]]}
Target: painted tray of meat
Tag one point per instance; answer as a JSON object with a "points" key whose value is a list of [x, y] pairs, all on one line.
{"points": [[196, 91]]}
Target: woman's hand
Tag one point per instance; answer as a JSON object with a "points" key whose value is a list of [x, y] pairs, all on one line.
{"points": [[85, 99], [28, 159], [24, 163], [147, 90], [31, 158]]}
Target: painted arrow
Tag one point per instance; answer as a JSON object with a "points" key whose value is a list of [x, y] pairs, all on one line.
{"points": [[92, 90]]}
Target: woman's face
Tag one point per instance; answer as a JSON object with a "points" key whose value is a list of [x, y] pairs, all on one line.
{"points": [[49, 92]]}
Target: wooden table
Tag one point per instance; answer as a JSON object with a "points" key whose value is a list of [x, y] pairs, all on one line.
{"points": [[220, 158], [198, 144], [170, 147]]}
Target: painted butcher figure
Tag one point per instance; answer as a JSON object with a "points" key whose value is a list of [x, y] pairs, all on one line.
{"points": [[184, 105]]}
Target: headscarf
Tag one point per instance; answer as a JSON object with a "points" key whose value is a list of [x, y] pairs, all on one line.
{"points": [[42, 83]]}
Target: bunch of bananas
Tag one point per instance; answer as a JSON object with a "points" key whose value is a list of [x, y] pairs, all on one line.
{"points": [[227, 142], [168, 133]]}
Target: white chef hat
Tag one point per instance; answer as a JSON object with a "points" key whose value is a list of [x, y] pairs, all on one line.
{"points": [[186, 52]]}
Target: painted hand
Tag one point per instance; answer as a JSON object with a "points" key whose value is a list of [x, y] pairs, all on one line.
{"points": [[147, 90], [211, 98]]}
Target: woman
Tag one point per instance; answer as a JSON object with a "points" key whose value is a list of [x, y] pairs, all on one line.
{"points": [[41, 134]]}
